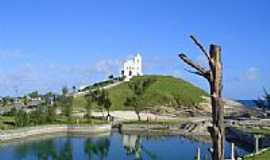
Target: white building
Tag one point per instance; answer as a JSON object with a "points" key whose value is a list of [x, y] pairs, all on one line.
{"points": [[132, 67]]}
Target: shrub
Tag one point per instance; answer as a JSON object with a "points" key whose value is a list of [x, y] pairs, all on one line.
{"points": [[22, 118]]}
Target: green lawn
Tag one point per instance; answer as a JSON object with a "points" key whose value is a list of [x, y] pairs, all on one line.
{"points": [[165, 91]]}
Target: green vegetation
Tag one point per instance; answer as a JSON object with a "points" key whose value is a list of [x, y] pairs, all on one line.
{"points": [[45, 113], [144, 92], [99, 84], [136, 100], [23, 119], [155, 122], [7, 101], [105, 102], [263, 156], [7, 122], [89, 106], [256, 130], [67, 105], [165, 91], [264, 102], [33, 94]]}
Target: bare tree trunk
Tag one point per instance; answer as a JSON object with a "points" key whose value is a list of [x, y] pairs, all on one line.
{"points": [[217, 130], [138, 115], [214, 78], [108, 115]]}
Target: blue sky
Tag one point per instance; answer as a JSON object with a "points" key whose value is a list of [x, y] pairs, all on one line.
{"points": [[46, 44]]}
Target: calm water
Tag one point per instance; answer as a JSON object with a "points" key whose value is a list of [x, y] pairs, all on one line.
{"points": [[113, 147]]}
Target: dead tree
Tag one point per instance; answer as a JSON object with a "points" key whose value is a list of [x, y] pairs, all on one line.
{"points": [[214, 77]]}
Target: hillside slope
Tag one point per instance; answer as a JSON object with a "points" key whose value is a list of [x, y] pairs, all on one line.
{"points": [[165, 91]]}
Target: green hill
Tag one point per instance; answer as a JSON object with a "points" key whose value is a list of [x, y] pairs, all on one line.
{"points": [[165, 91]]}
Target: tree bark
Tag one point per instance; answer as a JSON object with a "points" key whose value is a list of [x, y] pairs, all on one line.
{"points": [[215, 82], [214, 78], [139, 116]]}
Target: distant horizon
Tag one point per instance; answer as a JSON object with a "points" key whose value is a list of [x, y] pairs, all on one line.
{"points": [[45, 45]]}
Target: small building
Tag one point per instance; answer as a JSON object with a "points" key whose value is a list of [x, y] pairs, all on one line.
{"points": [[132, 67]]}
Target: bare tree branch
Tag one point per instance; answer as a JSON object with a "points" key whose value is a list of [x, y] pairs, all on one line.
{"points": [[194, 72], [202, 49], [200, 70]]}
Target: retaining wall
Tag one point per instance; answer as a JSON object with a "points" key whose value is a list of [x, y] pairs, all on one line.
{"points": [[49, 129]]}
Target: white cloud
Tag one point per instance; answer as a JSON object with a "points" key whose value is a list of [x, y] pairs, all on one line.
{"points": [[108, 66], [252, 73]]}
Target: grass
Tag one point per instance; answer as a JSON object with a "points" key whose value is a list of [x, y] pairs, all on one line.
{"points": [[160, 122], [65, 120], [264, 131], [165, 91], [79, 103], [263, 156], [255, 130], [8, 122]]}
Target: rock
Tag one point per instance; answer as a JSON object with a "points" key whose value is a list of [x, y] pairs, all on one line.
{"points": [[230, 106]]}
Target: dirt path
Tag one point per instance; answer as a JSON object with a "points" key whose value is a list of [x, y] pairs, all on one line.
{"points": [[105, 87], [131, 116]]}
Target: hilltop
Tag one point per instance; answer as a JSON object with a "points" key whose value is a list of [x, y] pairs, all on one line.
{"points": [[166, 91]]}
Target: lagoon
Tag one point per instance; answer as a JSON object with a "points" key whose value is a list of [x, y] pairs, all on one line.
{"points": [[114, 146]]}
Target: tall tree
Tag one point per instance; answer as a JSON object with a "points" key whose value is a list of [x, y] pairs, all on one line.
{"points": [[213, 75], [136, 103], [136, 100], [21, 118], [104, 100], [67, 106]]}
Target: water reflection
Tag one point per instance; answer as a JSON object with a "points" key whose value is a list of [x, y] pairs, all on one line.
{"points": [[116, 146], [97, 148], [133, 147], [44, 150], [41, 150]]}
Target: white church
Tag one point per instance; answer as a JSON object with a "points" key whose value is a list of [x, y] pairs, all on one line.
{"points": [[132, 67]]}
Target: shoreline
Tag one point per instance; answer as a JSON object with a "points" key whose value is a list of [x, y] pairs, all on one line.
{"points": [[85, 129], [25, 132]]}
